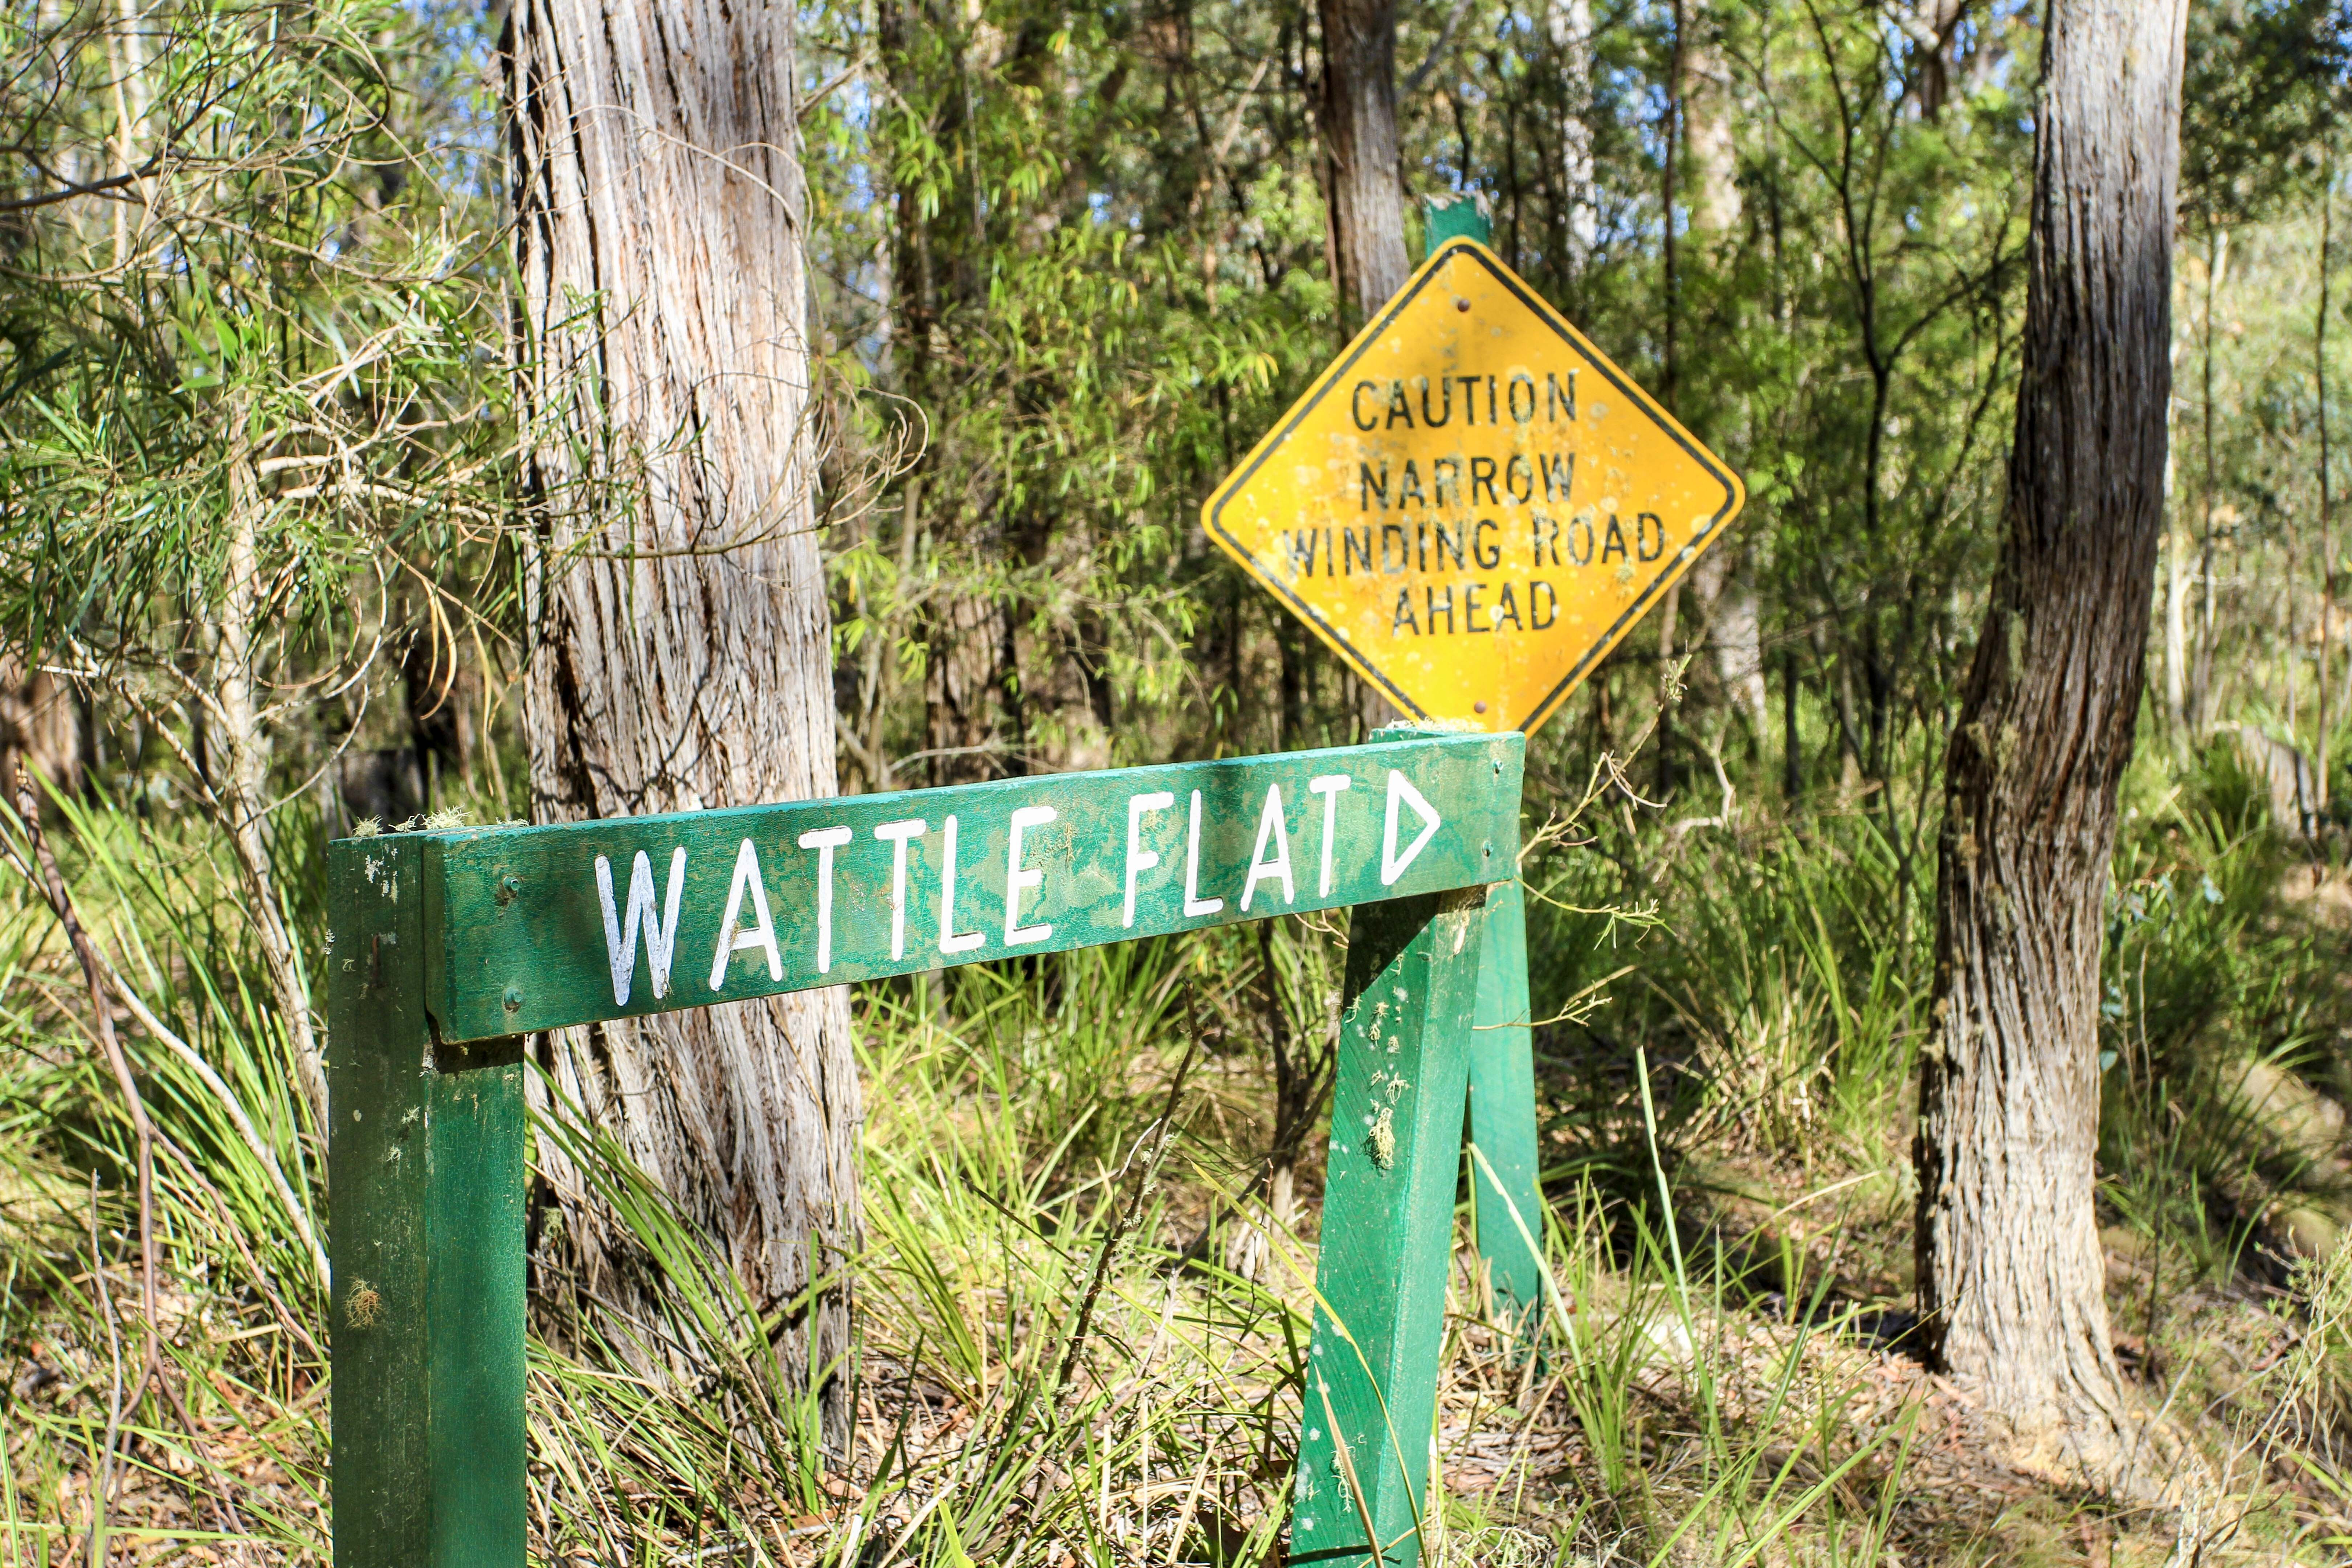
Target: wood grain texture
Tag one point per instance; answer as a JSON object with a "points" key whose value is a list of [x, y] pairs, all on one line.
{"points": [[425, 1162], [474, 1205], [1503, 1109], [529, 940], [1388, 1229], [2010, 1267], [679, 634]]}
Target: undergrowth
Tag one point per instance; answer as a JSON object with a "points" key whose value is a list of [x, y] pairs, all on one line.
{"points": [[1083, 1300]]}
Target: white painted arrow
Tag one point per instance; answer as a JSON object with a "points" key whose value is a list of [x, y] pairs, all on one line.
{"points": [[1393, 863]]}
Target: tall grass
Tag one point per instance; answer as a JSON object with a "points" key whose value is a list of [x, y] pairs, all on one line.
{"points": [[237, 1451], [1062, 1357]]}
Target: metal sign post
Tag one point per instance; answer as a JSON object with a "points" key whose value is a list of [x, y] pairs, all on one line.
{"points": [[449, 947]]}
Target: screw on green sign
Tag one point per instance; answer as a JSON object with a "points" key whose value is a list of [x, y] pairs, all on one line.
{"points": [[449, 947]]}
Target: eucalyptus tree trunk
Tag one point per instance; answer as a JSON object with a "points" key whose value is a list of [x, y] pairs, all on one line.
{"points": [[1723, 583], [239, 788], [2326, 493], [2179, 566], [1366, 190], [1710, 176], [2010, 1274], [1931, 26], [1359, 143], [40, 728], [677, 601], [1570, 24]]}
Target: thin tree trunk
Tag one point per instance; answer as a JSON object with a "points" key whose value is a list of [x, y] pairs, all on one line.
{"points": [[242, 792], [2012, 1278], [1669, 243], [1359, 124], [1792, 753], [2326, 495], [1735, 632], [40, 728], [2286, 596], [1669, 610], [2200, 676], [1709, 159], [130, 85], [1669, 379], [1849, 733], [681, 654], [2176, 578], [2176, 634], [1931, 27], [1292, 679], [1723, 605]]}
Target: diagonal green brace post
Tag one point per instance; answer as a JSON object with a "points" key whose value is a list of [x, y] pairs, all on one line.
{"points": [[1507, 1192], [1371, 1397], [425, 1166]]}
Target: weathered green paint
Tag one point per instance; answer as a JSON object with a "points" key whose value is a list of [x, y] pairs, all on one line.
{"points": [[1388, 1228], [526, 944], [474, 1202], [425, 1172], [1503, 1109], [1458, 218]]}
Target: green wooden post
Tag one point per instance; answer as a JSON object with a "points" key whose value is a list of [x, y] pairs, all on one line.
{"points": [[1503, 1110], [1388, 1229], [425, 1170], [1449, 217]]}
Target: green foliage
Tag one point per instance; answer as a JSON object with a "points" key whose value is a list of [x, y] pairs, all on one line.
{"points": [[2216, 1000], [258, 365], [1089, 251], [1011, 1121], [1086, 357], [2259, 97], [1084, 254]]}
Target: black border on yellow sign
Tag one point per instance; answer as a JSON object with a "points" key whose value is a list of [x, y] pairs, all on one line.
{"points": [[1734, 493]]}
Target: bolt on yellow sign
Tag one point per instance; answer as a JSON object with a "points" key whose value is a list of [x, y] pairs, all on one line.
{"points": [[1473, 505]]}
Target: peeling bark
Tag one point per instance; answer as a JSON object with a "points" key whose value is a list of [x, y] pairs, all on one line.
{"points": [[2011, 1278], [681, 655]]}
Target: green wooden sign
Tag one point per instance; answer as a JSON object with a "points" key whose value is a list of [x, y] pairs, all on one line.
{"points": [[542, 928], [447, 947]]}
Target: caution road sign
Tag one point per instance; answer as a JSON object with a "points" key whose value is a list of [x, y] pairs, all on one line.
{"points": [[1473, 505]]}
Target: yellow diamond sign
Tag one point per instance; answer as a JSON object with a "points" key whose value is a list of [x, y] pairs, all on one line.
{"points": [[1472, 505]]}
